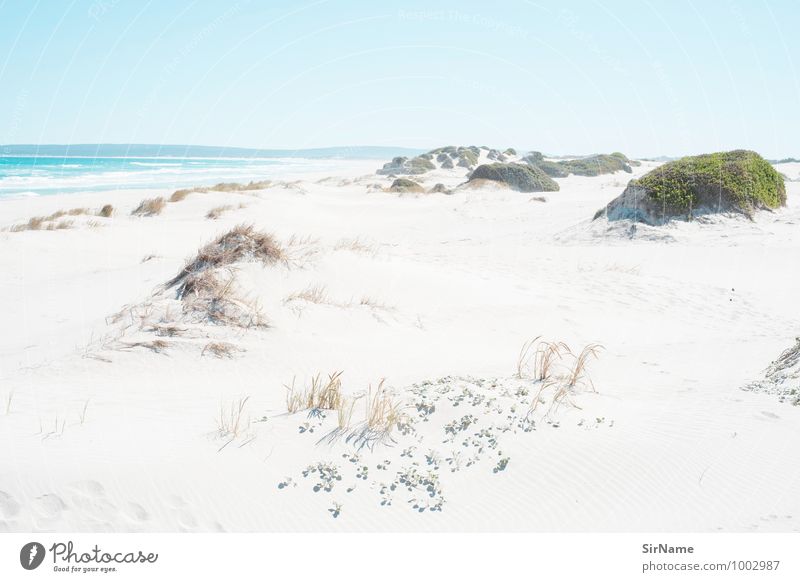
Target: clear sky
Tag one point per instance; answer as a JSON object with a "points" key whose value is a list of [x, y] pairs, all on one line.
{"points": [[646, 78]]}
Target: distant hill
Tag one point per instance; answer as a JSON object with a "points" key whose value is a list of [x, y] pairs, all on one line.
{"points": [[192, 151]]}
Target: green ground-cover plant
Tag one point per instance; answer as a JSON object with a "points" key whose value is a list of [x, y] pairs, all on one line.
{"points": [[738, 180]]}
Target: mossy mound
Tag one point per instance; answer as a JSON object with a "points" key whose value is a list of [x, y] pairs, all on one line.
{"points": [[552, 169], [467, 158], [595, 165], [738, 181], [404, 165], [404, 186], [440, 189], [446, 157], [519, 177]]}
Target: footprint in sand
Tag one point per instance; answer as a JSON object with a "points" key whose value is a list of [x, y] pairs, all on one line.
{"points": [[89, 497], [8, 506], [88, 488], [49, 506], [176, 502], [135, 512], [186, 519]]}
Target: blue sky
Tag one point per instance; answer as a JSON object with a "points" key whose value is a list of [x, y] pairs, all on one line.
{"points": [[647, 78]]}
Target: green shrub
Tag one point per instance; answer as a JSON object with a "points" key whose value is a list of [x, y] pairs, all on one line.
{"points": [[467, 157], [595, 165], [552, 169], [519, 177], [589, 166], [738, 180], [404, 185], [419, 165]]}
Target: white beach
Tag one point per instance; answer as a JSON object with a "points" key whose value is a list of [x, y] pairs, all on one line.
{"points": [[102, 435]]}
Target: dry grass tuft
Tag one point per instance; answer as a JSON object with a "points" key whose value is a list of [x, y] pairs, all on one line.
{"points": [[546, 356], [344, 413], [179, 195], [232, 422], [218, 211], [150, 207], [222, 350], [60, 225], [577, 376], [42, 223], [321, 395], [158, 346], [313, 294], [206, 283], [242, 243], [236, 187], [209, 297], [383, 412], [356, 245], [34, 223], [375, 305], [52, 222], [166, 330]]}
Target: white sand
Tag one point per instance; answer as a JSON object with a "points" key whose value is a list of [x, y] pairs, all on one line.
{"points": [[688, 314]]}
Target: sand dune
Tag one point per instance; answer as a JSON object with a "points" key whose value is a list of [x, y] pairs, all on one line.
{"points": [[159, 420]]}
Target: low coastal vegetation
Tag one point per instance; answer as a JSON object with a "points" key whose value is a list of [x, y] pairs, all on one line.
{"points": [[738, 181], [179, 195], [383, 411], [782, 377], [440, 428], [56, 220], [150, 207], [469, 157], [440, 189], [218, 211], [406, 186], [595, 165], [206, 284], [519, 177], [404, 165], [447, 158]]}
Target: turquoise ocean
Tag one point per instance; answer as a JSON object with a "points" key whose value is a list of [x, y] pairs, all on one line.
{"points": [[61, 169]]}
